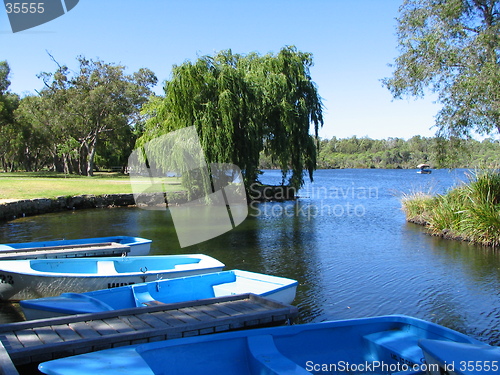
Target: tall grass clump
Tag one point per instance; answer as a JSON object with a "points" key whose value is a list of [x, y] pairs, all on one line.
{"points": [[417, 207], [482, 222], [470, 212]]}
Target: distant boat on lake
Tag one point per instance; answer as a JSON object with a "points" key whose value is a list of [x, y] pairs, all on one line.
{"points": [[424, 169]]}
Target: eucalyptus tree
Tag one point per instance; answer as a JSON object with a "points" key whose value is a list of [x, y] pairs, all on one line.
{"points": [[451, 48], [9, 135], [46, 141], [4, 77], [242, 105], [97, 100]]}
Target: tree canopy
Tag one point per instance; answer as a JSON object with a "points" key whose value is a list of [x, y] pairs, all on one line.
{"points": [[451, 47], [242, 105], [9, 138], [96, 108]]}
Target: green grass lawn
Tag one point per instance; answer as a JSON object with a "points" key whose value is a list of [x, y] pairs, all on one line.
{"points": [[28, 185]]}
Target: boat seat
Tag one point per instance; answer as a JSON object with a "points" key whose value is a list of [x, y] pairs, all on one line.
{"points": [[265, 358], [386, 344], [142, 296], [106, 267]]}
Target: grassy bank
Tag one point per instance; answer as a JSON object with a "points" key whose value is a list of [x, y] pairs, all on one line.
{"points": [[51, 185], [470, 212]]}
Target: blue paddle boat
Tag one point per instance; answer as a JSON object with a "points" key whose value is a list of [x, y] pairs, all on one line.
{"points": [[138, 245], [35, 278], [181, 289], [378, 345]]}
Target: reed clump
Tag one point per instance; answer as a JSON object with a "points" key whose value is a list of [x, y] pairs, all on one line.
{"points": [[470, 212]]}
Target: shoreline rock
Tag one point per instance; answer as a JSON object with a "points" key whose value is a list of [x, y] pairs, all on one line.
{"points": [[13, 209]]}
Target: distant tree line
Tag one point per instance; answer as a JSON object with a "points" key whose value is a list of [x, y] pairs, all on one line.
{"points": [[438, 152]]}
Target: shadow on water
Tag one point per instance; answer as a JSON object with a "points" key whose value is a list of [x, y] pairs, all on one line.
{"points": [[346, 242]]}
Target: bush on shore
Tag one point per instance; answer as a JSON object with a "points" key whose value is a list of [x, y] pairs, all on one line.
{"points": [[470, 212]]}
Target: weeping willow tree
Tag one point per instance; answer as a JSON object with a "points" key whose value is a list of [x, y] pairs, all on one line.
{"points": [[242, 105]]}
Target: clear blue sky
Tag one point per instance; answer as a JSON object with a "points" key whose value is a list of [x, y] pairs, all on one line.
{"points": [[351, 41]]}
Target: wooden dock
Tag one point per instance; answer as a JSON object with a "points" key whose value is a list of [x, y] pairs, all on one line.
{"points": [[42, 340], [67, 251]]}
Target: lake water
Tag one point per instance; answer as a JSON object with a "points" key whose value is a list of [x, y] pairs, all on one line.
{"points": [[345, 240]]}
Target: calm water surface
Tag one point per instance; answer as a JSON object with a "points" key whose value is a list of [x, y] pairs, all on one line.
{"points": [[345, 240]]}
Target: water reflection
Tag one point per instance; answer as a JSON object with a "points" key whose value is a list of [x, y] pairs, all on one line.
{"points": [[347, 243]]}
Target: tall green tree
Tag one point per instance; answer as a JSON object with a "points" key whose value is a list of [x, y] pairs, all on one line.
{"points": [[242, 105], [85, 106], [46, 141], [4, 77], [9, 135], [451, 47]]}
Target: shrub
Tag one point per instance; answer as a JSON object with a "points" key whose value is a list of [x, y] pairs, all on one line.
{"points": [[470, 212]]}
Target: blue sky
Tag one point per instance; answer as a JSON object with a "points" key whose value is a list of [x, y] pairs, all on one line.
{"points": [[352, 43]]}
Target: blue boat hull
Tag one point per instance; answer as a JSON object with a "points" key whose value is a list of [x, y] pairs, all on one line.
{"points": [[138, 245], [181, 289], [35, 278], [379, 345]]}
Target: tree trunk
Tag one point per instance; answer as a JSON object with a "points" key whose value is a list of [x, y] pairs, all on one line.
{"points": [[91, 156]]}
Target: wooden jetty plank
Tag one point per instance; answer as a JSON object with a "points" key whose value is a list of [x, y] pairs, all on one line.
{"points": [[109, 329], [135, 321], [47, 335], [212, 311], [119, 325], [28, 338], [155, 319], [197, 313], [101, 327], [84, 330], [11, 341], [163, 318], [227, 309], [6, 365], [182, 316], [248, 306], [65, 332]]}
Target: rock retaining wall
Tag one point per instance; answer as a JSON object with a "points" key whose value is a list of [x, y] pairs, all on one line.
{"points": [[10, 210], [29, 207]]}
